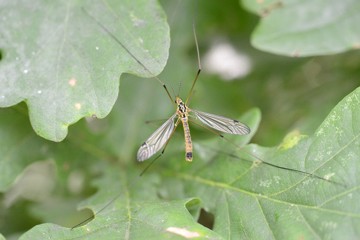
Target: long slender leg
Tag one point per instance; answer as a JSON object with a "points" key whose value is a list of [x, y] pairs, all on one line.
{"points": [[259, 159], [142, 172], [128, 51]]}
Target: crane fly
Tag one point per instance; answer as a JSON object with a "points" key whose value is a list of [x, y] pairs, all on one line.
{"points": [[160, 138], [162, 135], [215, 123]]}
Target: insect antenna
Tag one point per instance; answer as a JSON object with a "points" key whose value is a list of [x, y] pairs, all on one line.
{"points": [[179, 89], [199, 67]]}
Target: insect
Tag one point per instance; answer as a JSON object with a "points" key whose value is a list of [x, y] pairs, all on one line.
{"points": [[162, 135], [159, 139], [215, 123]]}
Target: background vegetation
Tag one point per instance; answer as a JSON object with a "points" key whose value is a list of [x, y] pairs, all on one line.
{"points": [[70, 128]]}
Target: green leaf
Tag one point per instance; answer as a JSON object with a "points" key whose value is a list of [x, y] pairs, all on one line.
{"points": [[18, 146], [239, 197], [247, 199], [260, 203], [55, 57], [306, 28], [136, 214]]}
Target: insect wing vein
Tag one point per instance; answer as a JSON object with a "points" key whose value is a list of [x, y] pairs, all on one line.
{"points": [[157, 140], [221, 123]]}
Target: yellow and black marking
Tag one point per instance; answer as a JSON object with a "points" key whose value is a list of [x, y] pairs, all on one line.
{"points": [[183, 112]]}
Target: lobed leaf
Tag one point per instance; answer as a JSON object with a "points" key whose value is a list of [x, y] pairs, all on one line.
{"points": [[306, 28], [64, 66]]}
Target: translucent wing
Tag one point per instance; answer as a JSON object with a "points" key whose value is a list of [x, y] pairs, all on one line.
{"points": [[221, 123], [157, 140]]}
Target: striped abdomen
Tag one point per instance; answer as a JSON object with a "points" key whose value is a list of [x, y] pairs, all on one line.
{"points": [[188, 142]]}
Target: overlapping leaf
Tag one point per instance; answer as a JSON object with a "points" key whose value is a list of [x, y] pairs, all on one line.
{"points": [[248, 199], [137, 213], [259, 202], [57, 59], [306, 28]]}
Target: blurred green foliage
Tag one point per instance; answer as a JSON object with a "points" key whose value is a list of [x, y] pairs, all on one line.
{"points": [[291, 93]]}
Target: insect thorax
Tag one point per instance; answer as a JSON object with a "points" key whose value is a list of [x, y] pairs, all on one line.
{"points": [[182, 110]]}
